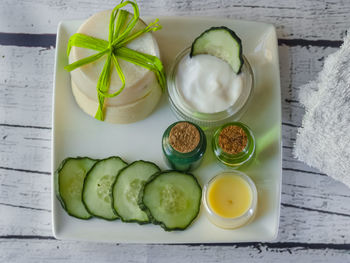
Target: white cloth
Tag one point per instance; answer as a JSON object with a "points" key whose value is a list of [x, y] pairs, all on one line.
{"points": [[323, 141]]}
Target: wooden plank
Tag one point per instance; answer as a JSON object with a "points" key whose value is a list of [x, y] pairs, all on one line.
{"points": [[25, 94], [296, 225], [28, 191], [298, 66], [26, 86], [26, 82], [28, 149], [314, 208], [294, 20], [25, 149], [57, 251], [21, 221]]}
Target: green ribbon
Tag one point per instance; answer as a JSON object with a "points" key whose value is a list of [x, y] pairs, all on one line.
{"points": [[113, 49]]}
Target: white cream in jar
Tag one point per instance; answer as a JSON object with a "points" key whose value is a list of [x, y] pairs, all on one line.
{"points": [[208, 84]]}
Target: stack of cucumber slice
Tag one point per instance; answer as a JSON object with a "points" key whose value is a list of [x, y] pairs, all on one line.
{"points": [[138, 192]]}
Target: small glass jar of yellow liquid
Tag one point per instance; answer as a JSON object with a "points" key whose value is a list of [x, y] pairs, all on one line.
{"points": [[230, 199]]}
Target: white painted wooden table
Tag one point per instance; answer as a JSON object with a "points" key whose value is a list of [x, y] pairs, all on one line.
{"points": [[315, 210]]}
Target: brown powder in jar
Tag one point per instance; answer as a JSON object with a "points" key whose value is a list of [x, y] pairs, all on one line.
{"points": [[184, 137], [233, 139]]}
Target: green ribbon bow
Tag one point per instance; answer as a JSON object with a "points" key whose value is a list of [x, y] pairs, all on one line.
{"points": [[114, 48]]}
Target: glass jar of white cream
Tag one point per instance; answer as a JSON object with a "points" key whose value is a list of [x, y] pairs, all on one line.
{"points": [[204, 89]]}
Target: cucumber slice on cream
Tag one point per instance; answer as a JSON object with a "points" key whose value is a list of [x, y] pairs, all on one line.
{"points": [[171, 199], [220, 42], [126, 189]]}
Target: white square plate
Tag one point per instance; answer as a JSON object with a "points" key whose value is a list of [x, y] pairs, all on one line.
{"points": [[77, 134]]}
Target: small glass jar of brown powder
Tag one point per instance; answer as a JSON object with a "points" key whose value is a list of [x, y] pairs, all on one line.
{"points": [[184, 144], [233, 144]]}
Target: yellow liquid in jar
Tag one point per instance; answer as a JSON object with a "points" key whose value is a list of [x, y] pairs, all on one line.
{"points": [[229, 196]]}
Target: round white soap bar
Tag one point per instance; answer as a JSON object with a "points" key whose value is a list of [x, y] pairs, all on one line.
{"points": [[142, 91]]}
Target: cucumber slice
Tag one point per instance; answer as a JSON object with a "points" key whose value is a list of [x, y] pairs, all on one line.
{"points": [[97, 187], [126, 188], [220, 42], [69, 185], [171, 199]]}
